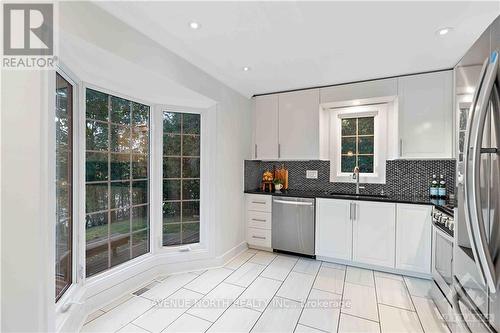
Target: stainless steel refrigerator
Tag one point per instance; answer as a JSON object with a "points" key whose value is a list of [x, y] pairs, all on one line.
{"points": [[476, 268]]}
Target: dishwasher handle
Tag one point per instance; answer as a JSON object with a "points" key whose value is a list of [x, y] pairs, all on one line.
{"points": [[295, 203]]}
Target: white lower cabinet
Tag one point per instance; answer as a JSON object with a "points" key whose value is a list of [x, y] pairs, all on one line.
{"points": [[413, 238], [374, 232], [386, 235], [333, 229], [259, 220]]}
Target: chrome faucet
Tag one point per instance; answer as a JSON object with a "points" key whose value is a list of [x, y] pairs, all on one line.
{"points": [[355, 175]]}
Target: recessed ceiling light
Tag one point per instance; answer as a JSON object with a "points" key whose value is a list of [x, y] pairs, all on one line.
{"points": [[443, 31], [194, 25], [246, 69]]}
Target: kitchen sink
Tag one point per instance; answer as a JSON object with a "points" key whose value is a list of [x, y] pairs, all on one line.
{"points": [[372, 195]]}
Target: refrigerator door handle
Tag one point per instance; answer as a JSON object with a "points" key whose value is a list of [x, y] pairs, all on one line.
{"points": [[459, 294], [479, 231], [468, 198]]}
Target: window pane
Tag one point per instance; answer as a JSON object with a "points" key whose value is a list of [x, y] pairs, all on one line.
{"points": [[96, 234], [348, 163], [365, 126], [120, 166], [365, 145], [140, 243], [184, 163], [171, 234], [140, 217], [190, 189], [171, 122], [171, 167], [127, 153], [191, 211], [96, 105], [191, 123], [190, 233], [96, 197], [191, 168], [120, 194], [139, 166], [96, 167], [120, 111], [140, 114], [171, 145], [139, 192], [171, 212], [365, 164], [120, 139], [64, 186], [97, 136], [191, 145], [171, 190], [349, 146], [349, 126]]}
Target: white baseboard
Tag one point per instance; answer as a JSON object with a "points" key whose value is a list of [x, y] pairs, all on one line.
{"points": [[102, 292]]}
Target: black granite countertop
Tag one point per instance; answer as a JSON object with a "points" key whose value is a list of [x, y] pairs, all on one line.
{"points": [[419, 200]]}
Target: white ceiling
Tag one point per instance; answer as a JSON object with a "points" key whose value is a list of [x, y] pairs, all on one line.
{"points": [[291, 45]]}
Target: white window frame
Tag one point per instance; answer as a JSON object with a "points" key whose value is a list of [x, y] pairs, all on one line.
{"points": [[207, 162], [152, 205], [379, 112]]}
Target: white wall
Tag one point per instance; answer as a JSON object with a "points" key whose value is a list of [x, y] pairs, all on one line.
{"points": [[25, 209]]}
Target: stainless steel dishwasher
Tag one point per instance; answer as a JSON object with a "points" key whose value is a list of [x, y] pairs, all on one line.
{"points": [[293, 225]]}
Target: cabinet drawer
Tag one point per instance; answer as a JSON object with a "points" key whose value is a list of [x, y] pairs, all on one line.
{"points": [[261, 220], [259, 237], [260, 202]]}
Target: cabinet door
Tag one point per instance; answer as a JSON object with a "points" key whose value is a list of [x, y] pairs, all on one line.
{"points": [[299, 125], [266, 128], [413, 238], [374, 233], [333, 229], [359, 91], [426, 115]]}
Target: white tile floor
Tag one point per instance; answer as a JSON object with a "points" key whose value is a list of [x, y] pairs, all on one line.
{"points": [[267, 292]]}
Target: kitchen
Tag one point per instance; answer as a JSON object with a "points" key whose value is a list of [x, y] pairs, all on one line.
{"points": [[341, 182]]}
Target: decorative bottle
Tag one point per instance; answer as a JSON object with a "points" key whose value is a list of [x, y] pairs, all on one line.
{"points": [[442, 187], [433, 191]]}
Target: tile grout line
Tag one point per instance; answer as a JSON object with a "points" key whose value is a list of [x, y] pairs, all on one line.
{"points": [[314, 328], [281, 284], [131, 323], [341, 300], [376, 300], [351, 315], [308, 294], [413, 304]]}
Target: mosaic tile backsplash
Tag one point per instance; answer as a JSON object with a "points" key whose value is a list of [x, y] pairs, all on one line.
{"points": [[403, 177]]}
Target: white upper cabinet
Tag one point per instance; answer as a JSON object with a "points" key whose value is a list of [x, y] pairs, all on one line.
{"points": [[374, 233], [334, 228], [299, 125], [360, 90], [266, 128], [426, 115], [413, 238]]}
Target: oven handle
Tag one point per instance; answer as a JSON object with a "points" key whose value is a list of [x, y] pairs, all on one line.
{"points": [[295, 203], [461, 295]]}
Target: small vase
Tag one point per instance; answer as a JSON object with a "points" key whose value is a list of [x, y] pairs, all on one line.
{"points": [[278, 187]]}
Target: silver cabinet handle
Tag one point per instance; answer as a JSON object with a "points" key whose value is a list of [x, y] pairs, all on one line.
{"points": [[259, 237], [472, 190], [259, 202], [259, 220], [400, 147], [279, 150], [255, 151], [354, 205], [295, 203], [350, 211]]}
